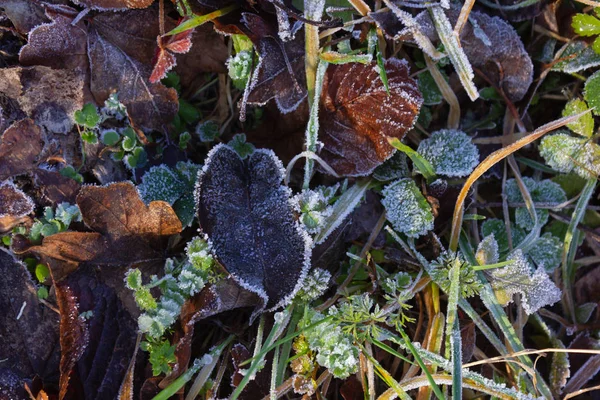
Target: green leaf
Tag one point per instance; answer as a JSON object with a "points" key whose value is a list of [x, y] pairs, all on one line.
{"points": [[42, 293], [565, 153], [88, 116], [596, 45], [407, 209], [450, 152], [188, 112], [89, 136], [161, 355], [591, 92], [429, 89], [110, 138], [586, 25], [197, 20], [128, 143], [585, 124], [422, 165], [42, 272], [239, 144], [584, 311]]}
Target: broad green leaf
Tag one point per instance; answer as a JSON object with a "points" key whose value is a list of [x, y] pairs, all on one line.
{"points": [[585, 124], [586, 25]]}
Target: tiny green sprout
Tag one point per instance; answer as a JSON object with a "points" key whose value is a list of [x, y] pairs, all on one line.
{"points": [[587, 25], [88, 116], [114, 108], [137, 158], [407, 209], [315, 284], [86, 315], [184, 140], [240, 68], [6, 240], [54, 221], [89, 136], [162, 355], [314, 209], [42, 273], [470, 285], [72, 173], [42, 293], [239, 144], [207, 131]]}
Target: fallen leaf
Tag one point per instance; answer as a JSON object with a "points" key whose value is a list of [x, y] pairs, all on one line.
{"points": [[493, 46], [113, 5], [54, 187], [168, 46], [280, 72], [357, 114], [28, 329], [20, 147], [247, 215], [48, 96], [125, 231], [24, 14], [15, 205]]}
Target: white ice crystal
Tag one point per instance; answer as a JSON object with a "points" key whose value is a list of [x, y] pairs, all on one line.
{"points": [[450, 152]]}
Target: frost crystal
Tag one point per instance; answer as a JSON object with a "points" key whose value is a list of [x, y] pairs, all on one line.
{"points": [[566, 153], [450, 152], [315, 284], [535, 287], [546, 252], [544, 191], [394, 167], [407, 209]]}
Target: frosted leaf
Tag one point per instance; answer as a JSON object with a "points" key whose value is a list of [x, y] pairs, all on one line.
{"points": [[240, 68], [394, 167], [487, 251], [591, 92], [407, 209], [357, 114], [315, 284], [161, 183], [440, 271], [497, 228], [560, 368], [450, 152], [113, 5], [504, 61], [566, 153], [546, 252], [314, 209], [536, 288], [544, 191], [248, 217], [279, 73], [335, 350], [578, 56], [14, 203], [584, 125], [114, 108], [239, 144]]}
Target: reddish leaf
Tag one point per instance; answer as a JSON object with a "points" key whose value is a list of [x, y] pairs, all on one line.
{"points": [[20, 147], [165, 59], [114, 5], [357, 114], [246, 213]]}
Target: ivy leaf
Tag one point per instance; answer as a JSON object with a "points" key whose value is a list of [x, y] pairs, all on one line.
{"points": [[248, 217], [407, 209], [451, 152], [357, 114]]}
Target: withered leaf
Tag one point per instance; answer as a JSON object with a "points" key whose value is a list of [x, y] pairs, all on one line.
{"points": [[14, 206], [114, 5], [357, 114], [28, 329], [126, 231], [24, 14], [20, 147], [246, 213], [48, 96], [168, 46], [118, 49], [96, 350], [493, 46], [280, 73], [55, 187]]}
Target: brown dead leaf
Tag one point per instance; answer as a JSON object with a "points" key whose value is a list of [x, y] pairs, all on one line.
{"points": [[24, 14], [49, 96], [125, 230], [28, 329], [14, 206], [114, 5], [358, 114], [20, 147], [55, 187]]}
